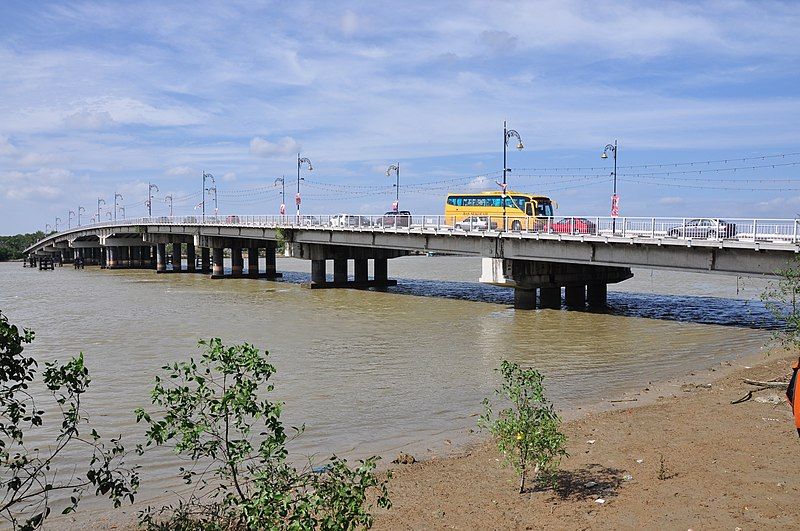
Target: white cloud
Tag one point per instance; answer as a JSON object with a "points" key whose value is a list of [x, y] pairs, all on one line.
{"points": [[264, 148], [229, 177], [39, 185], [671, 200], [6, 147], [178, 171], [86, 119]]}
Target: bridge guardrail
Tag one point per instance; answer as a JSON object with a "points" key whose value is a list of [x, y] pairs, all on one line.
{"points": [[742, 229]]}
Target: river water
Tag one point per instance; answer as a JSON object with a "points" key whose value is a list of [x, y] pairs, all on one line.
{"points": [[376, 372]]}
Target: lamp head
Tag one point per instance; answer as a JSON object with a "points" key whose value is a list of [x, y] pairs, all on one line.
{"points": [[310, 167], [520, 146], [604, 155]]}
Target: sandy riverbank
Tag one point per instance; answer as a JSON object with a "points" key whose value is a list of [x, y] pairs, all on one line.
{"points": [[724, 467]]}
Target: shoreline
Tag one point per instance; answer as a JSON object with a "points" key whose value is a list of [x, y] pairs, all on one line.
{"points": [[722, 465]]}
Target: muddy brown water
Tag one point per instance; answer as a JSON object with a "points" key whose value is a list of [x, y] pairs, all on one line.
{"points": [[376, 372]]}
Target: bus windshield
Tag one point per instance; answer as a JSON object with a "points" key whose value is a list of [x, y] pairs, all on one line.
{"points": [[544, 209]]}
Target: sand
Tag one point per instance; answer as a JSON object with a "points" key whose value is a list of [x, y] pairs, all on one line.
{"points": [[680, 457]]}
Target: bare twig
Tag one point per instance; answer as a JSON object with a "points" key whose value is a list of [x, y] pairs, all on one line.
{"points": [[765, 385]]}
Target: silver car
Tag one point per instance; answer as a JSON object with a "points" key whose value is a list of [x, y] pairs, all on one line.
{"points": [[350, 220]]}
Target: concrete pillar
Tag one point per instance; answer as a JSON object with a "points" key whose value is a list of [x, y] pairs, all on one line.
{"points": [[103, 257], [237, 263], [550, 298], [136, 256], [252, 262], [524, 298], [205, 260], [191, 259], [125, 259], [318, 271], [161, 257], [597, 295], [176, 257], [361, 270], [381, 271], [340, 270], [218, 265], [575, 296], [111, 257], [271, 268]]}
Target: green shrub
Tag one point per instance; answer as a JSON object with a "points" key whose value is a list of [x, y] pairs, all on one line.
{"points": [[527, 433], [216, 412]]}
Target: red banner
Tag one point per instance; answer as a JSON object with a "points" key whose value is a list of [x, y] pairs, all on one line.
{"points": [[283, 209], [297, 199], [395, 206], [614, 206]]}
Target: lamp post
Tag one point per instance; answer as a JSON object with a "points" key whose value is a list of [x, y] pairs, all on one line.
{"points": [[614, 197], [100, 201], [300, 162], [58, 219], [109, 215], [206, 176], [116, 196], [508, 134], [122, 208], [46, 229], [69, 218], [150, 187], [396, 169], [214, 190], [81, 210], [168, 199], [282, 180]]}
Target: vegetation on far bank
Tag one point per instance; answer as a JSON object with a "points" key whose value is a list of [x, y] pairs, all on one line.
{"points": [[12, 247]]}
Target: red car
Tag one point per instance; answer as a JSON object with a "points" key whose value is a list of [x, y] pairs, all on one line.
{"points": [[573, 226]]}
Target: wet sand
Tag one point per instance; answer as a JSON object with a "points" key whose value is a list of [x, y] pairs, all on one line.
{"points": [[724, 466]]}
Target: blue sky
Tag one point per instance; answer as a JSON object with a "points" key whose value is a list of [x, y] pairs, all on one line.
{"points": [[98, 97]]}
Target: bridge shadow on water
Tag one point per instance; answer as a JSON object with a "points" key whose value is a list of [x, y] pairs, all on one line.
{"points": [[684, 308]]}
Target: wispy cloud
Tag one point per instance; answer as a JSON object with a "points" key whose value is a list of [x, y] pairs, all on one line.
{"points": [[264, 148]]}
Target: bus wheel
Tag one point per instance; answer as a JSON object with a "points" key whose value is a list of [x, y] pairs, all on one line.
{"points": [[516, 225]]}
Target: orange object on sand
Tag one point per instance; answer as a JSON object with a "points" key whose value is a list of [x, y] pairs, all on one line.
{"points": [[794, 396]]}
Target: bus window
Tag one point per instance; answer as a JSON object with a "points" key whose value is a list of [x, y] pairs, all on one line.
{"points": [[544, 209], [528, 209]]}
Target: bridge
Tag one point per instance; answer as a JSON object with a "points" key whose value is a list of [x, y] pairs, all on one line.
{"points": [[580, 254]]}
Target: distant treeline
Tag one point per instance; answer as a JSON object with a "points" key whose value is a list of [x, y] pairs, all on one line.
{"points": [[11, 247]]}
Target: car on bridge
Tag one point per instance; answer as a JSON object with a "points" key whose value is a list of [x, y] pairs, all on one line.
{"points": [[232, 219], [708, 228], [573, 226], [395, 219], [350, 220], [476, 223]]}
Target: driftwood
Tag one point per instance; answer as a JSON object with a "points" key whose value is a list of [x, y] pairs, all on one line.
{"points": [[765, 385]]}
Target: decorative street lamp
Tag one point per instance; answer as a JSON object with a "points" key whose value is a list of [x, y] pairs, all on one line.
{"points": [[81, 210], [69, 218], [116, 196], [122, 208], [213, 190], [168, 199], [300, 162], [207, 176], [396, 169], [58, 220], [614, 198], [282, 180], [508, 134], [150, 198], [109, 215], [99, 202], [46, 229]]}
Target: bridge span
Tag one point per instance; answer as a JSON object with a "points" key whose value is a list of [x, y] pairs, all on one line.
{"points": [[580, 254]]}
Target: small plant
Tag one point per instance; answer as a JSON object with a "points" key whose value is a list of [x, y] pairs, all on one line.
{"points": [[782, 298], [216, 411], [31, 477], [662, 469], [527, 433]]}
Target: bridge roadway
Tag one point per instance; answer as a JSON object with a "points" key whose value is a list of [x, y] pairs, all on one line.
{"points": [[582, 255]]}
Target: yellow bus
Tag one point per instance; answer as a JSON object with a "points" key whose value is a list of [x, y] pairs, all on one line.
{"points": [[484, 210]]}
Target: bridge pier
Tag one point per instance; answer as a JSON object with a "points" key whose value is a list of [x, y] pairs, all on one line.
{"points": [[318, 278], [597, 295], [318, 254], [161, 258], [360, 270], [340, 270], [176, 257], [550, 297], [191, 258], [237, 262], [252, 262], [575, 296], [218, 267], [524, 298], [271, 268], [103, 258], [205, 260]]}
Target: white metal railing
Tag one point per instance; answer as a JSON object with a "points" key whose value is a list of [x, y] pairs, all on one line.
{"points": [[655, 228]]}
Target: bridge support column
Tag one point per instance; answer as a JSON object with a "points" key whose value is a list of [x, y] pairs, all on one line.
{"points": [[361, 270], [191, 259], [176, 257], [218, 267], [597, 295], [550, 297], [252, 262], [381, 271], [103, 257], [340, 270], [161, 258], [271, 268], [524, 299], [111, 258], [318, 273], [205, 260], [136, 257], [575, 296], [237, 262]]}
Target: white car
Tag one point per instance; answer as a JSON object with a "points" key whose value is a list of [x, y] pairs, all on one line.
{"points": [[350, 220], [476, 223]]}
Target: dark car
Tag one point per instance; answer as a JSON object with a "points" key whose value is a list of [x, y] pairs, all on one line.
{"points": [[704, 228], [396, 219], [574, 226]]}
